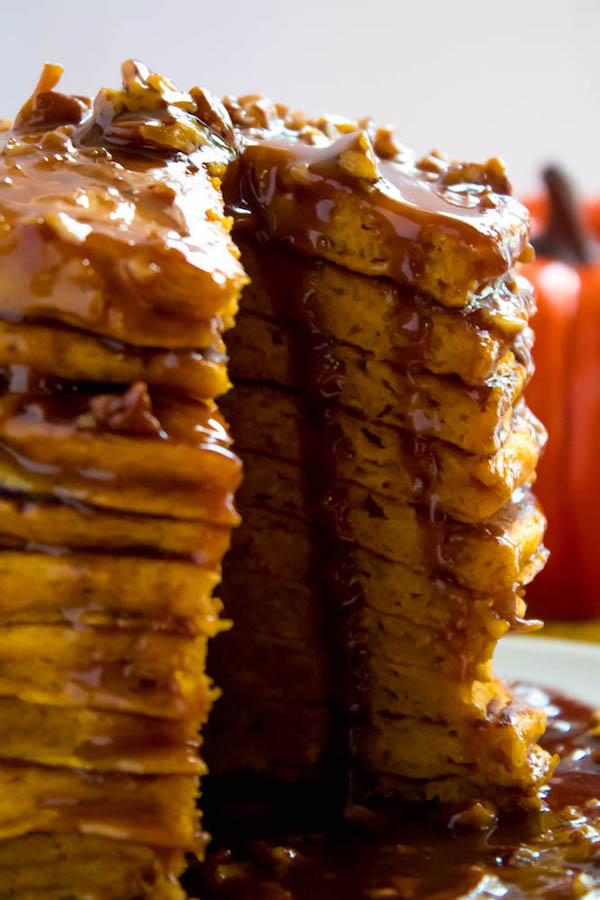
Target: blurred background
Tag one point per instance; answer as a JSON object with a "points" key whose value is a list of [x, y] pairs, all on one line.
{"points": [[518, 78]]}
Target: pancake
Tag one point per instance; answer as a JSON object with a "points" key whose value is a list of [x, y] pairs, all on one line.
{"points": [[85, 738], [388, 461], [141, 257], [151, 673], [73, 355], [125, 591], [29, 522], [392, 322], [169, 457], [476, 420], [106, 869], [487, 557], [145, 809]]}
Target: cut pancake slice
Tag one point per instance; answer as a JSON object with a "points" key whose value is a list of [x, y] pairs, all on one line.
{"points": [[476, 419], [152, 673], [52, 865], [388, 461], [289, 609], [147, 809], [98, 740], [488, 557], [122, 591], [73, 355], [499, 751], [396, 324]]}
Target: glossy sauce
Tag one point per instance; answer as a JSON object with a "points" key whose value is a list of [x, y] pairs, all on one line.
{"points": [[296, 187], [423, 853]]}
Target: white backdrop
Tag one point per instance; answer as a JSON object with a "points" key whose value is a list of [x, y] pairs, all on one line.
{"points": [[519, 78]]}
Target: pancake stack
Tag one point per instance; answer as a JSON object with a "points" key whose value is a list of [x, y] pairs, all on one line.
{"points": [[117, 279], [389, 528]]}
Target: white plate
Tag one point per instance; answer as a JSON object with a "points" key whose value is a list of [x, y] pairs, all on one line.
{"points": [[571, 667]]}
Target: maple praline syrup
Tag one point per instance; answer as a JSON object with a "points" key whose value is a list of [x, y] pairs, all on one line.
{"points": [[426, 852]]}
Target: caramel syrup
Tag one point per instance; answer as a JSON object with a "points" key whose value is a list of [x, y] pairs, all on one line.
{"points": [[259, 853]]}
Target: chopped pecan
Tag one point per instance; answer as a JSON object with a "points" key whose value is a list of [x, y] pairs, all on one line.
{"points": [[359, 160], [212, 112], [334, 126], [252, 111], [148, 111], [130, 412], [435, 162], [384, 144], [491, 173], [47, 108]]}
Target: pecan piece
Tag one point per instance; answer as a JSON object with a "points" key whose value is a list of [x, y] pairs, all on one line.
{"points": [[130, 412]]}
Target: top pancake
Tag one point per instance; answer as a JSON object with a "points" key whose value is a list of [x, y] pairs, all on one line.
{"points": [[343, 190]]}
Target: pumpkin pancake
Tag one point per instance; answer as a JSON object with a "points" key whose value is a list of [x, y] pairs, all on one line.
{"points": [[388, 461], [125, 591], [47, 864], [392, 322], [146, 809], [99, 740], [166, 455], [476, 419], [324, 187], [151, 673], [72, 355]]}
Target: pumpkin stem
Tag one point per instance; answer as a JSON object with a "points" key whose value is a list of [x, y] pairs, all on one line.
{"points": [[565, 237]]}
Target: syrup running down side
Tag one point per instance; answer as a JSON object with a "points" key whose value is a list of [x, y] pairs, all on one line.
{"points": [[442, 853]]}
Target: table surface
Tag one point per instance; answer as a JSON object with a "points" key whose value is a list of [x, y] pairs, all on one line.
{"points": [[574, 631]]}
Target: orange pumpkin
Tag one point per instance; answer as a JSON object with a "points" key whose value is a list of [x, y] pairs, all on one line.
{"points": [[565, 394]]}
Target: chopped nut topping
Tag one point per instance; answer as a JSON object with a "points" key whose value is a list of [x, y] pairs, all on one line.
{"points": [[294, 121], [384, 143], [528, 254], [130, 412], [252, 111], [301, 173], [434, 162], [492, 173], [212, 112], [360, 162], [180, 134], [143, 89], [14, 147], [308, 134], [334, 126], [66, 228], [166, 117], [47, 107], [58, 140]]}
